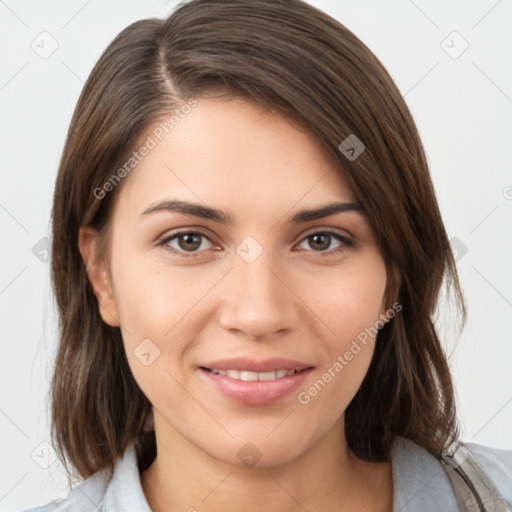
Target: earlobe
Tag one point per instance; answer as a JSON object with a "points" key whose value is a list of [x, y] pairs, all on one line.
{"points": [[99, 275]]}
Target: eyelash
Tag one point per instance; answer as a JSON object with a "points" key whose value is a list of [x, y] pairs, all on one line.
{"points": [[346, 243]]}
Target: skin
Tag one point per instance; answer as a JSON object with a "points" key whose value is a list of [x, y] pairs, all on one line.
{"points": [[299, 299]]}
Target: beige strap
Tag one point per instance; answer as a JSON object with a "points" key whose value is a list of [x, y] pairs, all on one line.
{"points": [[473, 488]]}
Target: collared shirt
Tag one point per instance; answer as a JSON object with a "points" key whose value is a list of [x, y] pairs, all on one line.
{"points": [[420, 483]]}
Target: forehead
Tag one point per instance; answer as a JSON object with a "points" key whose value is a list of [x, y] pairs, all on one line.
{"points": [[234, 155]]}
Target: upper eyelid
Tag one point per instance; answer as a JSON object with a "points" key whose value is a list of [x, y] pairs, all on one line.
{"points": [[171, 236], [336, 231]]}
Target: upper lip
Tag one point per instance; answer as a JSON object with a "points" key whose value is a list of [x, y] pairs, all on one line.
{"points": [[253, 365]]}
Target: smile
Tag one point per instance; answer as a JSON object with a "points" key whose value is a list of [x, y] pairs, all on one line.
{"points": [[250, 382]]}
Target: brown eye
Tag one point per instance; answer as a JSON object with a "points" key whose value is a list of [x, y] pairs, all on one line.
{"points": [[326, 241], [187, 242], [320, 241]]}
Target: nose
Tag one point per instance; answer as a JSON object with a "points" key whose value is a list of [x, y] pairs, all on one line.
{"points": [[258, 302]]}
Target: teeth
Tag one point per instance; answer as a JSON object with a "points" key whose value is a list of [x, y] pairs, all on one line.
{"points": [[233, 374], [246, 375]]}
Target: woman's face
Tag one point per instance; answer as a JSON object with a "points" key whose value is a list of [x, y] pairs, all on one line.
{"points": [[217, 304]]}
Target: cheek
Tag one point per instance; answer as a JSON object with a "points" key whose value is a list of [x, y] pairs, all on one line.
{"points": [[153, 303], [153, 297], [352, 300], [351, 307], [158, 306]]}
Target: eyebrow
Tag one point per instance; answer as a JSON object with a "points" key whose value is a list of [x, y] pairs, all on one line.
{"points": [[206, 212]]}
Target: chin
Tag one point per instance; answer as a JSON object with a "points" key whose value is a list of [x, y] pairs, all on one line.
{"points": [[259, 451]]}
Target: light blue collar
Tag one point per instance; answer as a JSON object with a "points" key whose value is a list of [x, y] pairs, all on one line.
{"points": [[420, 483]]}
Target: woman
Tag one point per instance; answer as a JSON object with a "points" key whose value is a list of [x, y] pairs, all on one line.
{"points": [[247, 255]]}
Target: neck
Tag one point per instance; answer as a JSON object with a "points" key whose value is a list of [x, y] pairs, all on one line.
{"points": [[327, 477]]}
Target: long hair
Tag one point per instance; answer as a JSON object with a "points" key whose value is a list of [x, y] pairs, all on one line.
{"points": [[289, 57]]}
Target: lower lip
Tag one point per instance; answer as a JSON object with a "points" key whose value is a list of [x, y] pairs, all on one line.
{"points": [[258, 392]]}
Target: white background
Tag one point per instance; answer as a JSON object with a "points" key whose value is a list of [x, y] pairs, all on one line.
{"points": [[463, 109]]}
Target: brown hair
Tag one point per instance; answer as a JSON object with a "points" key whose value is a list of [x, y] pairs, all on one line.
{"points": [[289, 57]]}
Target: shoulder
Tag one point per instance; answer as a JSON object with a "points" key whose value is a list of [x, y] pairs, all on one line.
{"points": [[105, 490], [85, 497], [420, 481], [497, 463]]}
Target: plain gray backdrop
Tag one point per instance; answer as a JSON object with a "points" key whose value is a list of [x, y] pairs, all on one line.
{"points": [[452, 62]]}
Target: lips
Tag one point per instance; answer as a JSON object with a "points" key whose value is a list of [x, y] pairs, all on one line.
{"points": [[251, 382]]}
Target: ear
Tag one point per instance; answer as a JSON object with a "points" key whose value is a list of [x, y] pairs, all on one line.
{"points": [[99, 275]]}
